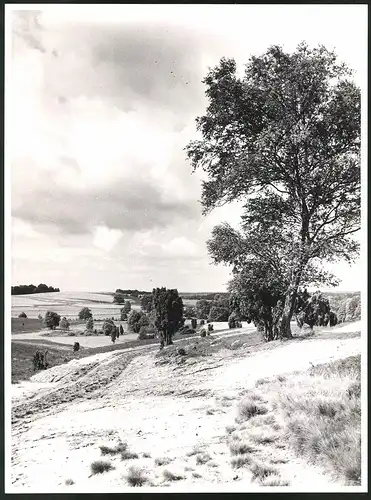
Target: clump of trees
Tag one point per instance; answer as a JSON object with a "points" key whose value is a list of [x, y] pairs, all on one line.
{"points": [[85, 314], [108, 327], [40, 360], [285, 139], [203, 307], [52, 320], [168, 313], [136, 320], [28, 289]]}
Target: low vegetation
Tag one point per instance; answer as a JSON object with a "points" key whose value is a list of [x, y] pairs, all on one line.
{"points": [[136, 476], [317, 413], [100, 466], [113, 450]]}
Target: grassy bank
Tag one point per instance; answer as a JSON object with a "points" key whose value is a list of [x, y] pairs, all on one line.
{"points": [[317, 414]]}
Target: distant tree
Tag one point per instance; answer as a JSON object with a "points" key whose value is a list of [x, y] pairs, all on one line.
{"points": [[194, 323], [136, 320], [289, 130], [108, 327], [76, 346], [189, 312], [146, 303], [123, 314], [52, 320], [219, 310], [64, 324], [121, 330], [127, 307], [351, 306], [341, 312], [119, 298], [22, 315], [113, 334], [168, 308], [90, 324], [203, 307], [233, 320], [85, 313]]}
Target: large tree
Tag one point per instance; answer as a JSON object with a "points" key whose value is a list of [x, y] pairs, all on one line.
{"points": [[168, 307], [285, 139]]}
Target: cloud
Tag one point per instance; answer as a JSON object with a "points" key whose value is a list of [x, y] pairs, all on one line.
{"points": [[106, 238]]}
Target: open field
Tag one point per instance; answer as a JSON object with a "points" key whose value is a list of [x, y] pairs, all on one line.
{"points": [[66, 304], [170, 411]]}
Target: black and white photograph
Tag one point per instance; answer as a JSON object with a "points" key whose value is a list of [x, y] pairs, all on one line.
{"points": [[185, 248]]}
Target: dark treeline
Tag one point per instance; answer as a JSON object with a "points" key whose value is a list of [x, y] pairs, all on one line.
{"points": [[200, 296], [132, 293], [28, 289]]}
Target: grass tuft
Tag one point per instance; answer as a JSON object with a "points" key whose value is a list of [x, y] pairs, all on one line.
{"points": [[240, 461], [136, 476], [162, 461], [202, 458], [100, 466], [170, 476], [113, 450], [272, 481], [260, 471], [128, 455], [248, 409], [69, 482], [240, 448]]}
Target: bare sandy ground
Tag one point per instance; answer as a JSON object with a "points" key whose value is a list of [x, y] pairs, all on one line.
{"points": [[161, 410]]}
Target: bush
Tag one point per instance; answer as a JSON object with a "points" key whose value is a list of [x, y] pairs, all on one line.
{"points": [[39, 361], [193, 323], [136, 476], [186, 330], [248, 409], [108, 327], [203, 332], [146, 332], [64, 324], [39, 317], [90, 324], [170, 476], [115, 450], [100, 466], [76, 346], [22, 315]]}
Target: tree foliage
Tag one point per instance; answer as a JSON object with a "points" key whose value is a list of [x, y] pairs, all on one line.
{"points": [[64, 324], [168, 307], [108, 327], [146, 303], [203, 307], [85, 313], [285, 140], [52, 319], [90, 324], [136, 320]]}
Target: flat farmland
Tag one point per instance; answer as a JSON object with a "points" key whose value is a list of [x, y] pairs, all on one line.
{"points": [[66, 304]]}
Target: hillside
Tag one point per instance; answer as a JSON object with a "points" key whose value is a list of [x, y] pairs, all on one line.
{"points": [[173, 411]]}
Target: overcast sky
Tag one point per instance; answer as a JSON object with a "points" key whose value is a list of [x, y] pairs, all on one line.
{"points": [[103, 101]]}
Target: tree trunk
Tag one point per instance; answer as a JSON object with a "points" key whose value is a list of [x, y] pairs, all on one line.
{"points": [[289, 307]]}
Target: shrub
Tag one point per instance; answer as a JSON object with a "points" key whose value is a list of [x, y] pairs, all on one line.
{"points": [[64, 324], [100, 466], [39, 317], [108, 327], [90, 324], [76, 346], [39, 361], [260, 471], [146, 332], [203, 458], [162, 461], [240, 448], [136, 476], [128, 455], [240, 461], [121, 330], [186, 330], [73, 334], [69, 482], [109, 450], [248, 409], [202, 322], [193, 323], [202, 332], [22, 315], [170, 476]]}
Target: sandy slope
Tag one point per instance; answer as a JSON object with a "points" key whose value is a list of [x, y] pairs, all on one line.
{"points": [[163, 410]]}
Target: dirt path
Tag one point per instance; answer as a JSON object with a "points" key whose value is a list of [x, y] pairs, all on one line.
{"points": [[161, 410]]}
